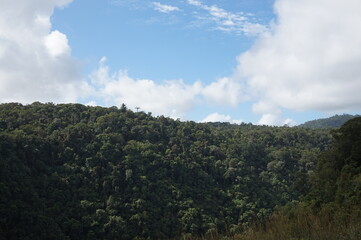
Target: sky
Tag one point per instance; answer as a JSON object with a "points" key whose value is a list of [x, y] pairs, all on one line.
{"points": [[270, 62]]}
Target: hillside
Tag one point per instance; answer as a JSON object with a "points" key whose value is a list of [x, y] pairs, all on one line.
{"points": [[332, 209], [74, 172], [331, 122]]}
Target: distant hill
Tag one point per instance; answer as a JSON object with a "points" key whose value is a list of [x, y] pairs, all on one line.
{"points": [[331, 122]]}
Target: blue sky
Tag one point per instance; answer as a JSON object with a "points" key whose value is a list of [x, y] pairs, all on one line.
{"points": [[136, 37], [155, 45], [268, 61]]}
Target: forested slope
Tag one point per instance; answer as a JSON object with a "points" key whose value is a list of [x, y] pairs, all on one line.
{"points": [[74, 172], [332, 208]]}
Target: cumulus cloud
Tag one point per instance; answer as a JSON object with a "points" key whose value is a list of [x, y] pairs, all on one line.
{"points": [[309, 60], [164, 8], [35, 62], [269, 119], [57, 44], [226, 21], [172, 98], [216, 117], [223, 91]]}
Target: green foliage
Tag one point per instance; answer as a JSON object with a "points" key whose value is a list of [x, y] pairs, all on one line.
{"points": [[69, 171], [339, 169], [332, 209]]}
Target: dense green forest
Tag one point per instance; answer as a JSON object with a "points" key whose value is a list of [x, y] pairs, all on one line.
{"points": [[331, 210], [70, 171], [331, 122]]}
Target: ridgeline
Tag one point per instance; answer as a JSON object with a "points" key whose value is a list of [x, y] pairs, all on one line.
{"points": [[331, 122]]}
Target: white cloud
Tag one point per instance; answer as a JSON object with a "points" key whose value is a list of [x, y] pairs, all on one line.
{"points": [[224, 91], [35, 63], [57, 44], [310, 60], [275, 119], [172, 98], [164, 8], [289, 122], [216, 117], [195, 3], [91, 103], [269, 119], [264, 107], [226, 21]]}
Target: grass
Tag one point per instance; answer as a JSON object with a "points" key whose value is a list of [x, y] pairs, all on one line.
{"points": [[303, 224]]}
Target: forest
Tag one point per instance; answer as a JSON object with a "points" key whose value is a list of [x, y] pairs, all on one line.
{"points": [[69, 171]]}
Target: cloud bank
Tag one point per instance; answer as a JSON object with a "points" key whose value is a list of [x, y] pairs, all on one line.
{"points": [[35, 62], [310, 60], [172, 98]]}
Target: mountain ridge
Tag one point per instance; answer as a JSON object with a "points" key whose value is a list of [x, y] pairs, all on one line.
{"points": [[335, 121]]}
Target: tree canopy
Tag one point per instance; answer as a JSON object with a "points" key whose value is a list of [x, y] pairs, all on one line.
{"points": [[331, 209], [70, 171]]}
